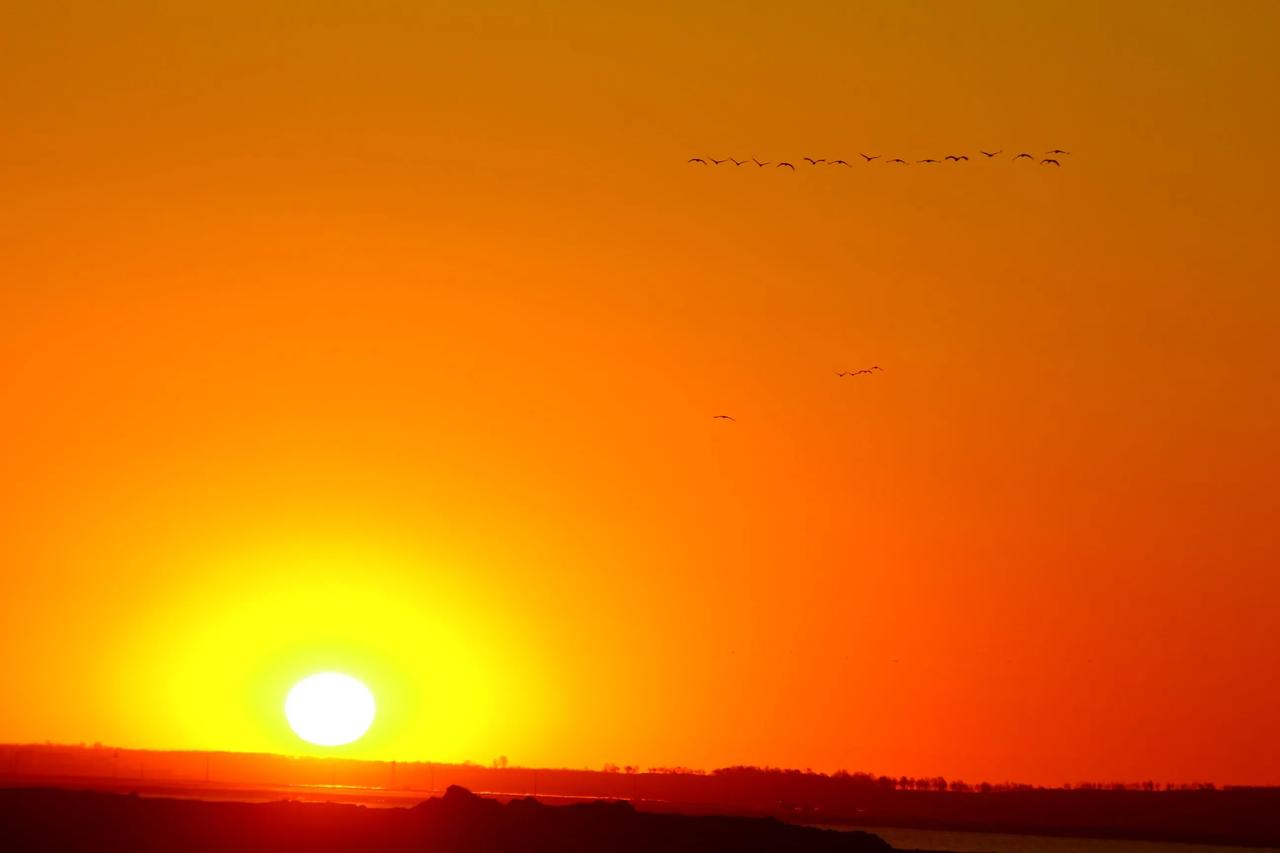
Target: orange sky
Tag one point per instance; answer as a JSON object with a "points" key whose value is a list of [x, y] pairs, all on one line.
{"points": [[386, 336]]}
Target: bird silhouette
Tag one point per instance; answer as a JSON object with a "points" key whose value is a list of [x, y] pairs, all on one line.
{"points": [[897, 160], [813, 162], [716, 162], [837, 163], [1024, 154], [737, 162], [868, 157], [993, 153], [723, 418], [859, 371], [1057, 151], [788, 165], [1050, 162], [758, 163], [956, 157], [697, 160], [926, 161]]}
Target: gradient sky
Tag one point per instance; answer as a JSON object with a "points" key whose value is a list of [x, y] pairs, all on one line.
{"points": [[385, 337]]}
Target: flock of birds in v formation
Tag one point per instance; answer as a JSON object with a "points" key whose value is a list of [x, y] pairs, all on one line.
{"points": [[1050, 158], [839, 373]]}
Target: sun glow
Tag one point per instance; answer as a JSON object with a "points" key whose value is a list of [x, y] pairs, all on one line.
{"points": [[329, 709], [450, 679]]}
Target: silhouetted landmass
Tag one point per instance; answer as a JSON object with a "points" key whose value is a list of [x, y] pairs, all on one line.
{"points": [[458, 822], [1194, 813]]}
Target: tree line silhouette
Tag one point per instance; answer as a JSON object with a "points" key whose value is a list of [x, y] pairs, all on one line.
{"points": [[922, 783]]}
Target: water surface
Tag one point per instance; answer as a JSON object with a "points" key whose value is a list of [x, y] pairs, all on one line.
{"points": [[996, 842]]}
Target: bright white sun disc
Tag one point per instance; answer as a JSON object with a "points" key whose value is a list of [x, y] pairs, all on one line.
{"points": [[329, 709]]}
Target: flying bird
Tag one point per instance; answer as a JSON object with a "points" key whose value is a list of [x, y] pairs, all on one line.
{"points": [[1050, 162], [697, 160], [1024, 154], [956, 157], [837, 163], [737, 162], [1057, 151], [788, 165], [758, 163], [868, 157], [723, 418], [860, 371], [993, 153], [926, 161], [716, 162], [897, 160], [813, 162]]}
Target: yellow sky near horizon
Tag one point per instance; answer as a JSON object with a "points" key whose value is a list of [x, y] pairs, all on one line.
{"points": [[389, 334]]}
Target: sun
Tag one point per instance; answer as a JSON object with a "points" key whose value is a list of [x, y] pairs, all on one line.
{"points": [[329, 709]]}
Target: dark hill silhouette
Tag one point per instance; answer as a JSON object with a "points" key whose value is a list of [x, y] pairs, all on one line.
{"points": [[458, 822]]}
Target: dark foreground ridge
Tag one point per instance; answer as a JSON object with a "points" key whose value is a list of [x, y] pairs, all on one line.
{"points": [[459, 822]]}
